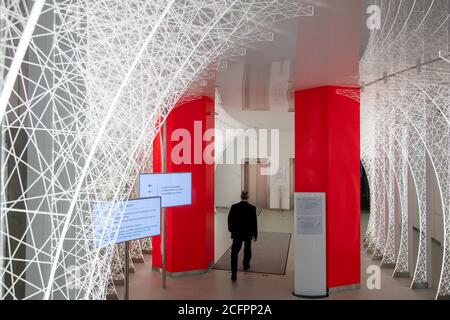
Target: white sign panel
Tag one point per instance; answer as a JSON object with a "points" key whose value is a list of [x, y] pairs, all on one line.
{"points": [[175, 189], [310, 245], [309, 225], [116, 222], [310, 215]]}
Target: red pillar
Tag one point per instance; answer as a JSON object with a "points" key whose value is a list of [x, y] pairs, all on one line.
{"points": [[327, 159], [190, 229]]}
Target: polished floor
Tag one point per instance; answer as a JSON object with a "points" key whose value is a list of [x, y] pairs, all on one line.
{"points": [[216, 284]]}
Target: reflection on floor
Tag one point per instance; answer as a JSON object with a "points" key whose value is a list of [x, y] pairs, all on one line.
{"points": [[216, 284]]}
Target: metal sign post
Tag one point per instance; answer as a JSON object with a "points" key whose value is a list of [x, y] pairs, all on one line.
{"points": [[163, 212], [127, 273]]}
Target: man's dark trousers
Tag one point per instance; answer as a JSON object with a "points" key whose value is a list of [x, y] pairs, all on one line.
{"points": [[235, 248]]}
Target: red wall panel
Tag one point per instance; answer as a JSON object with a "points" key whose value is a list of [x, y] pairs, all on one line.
{"points": [[343, 190], [327, 151], [311, 141], [190, 229]]}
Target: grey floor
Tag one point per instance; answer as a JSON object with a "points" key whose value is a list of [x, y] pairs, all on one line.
{"points": [[216, 284]]}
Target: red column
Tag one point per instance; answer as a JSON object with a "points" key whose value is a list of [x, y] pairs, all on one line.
{"points": [[190, 229], [327, 159]]}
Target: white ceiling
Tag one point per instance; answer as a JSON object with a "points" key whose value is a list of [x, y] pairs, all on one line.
{"points": [[330, 43], [324, 49], [321, 50]]}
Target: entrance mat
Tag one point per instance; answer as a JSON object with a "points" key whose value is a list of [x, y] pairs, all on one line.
{"points": [[269, 255]]}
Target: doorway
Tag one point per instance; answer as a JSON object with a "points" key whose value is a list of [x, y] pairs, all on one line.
{"points": [[255, 183]]}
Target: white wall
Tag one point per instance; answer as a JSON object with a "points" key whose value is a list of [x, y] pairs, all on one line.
{"points": [[227, 185], [228, 179], [434, 204], [230, 85], [279, 188]]}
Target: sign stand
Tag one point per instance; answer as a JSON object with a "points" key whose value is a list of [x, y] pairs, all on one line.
{"points": [[127, 273], [155, 184], [310, 245], [120, 222], [163, 210]]}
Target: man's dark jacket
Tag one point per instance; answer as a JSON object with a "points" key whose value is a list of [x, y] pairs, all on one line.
{"points": [[242, 221]]}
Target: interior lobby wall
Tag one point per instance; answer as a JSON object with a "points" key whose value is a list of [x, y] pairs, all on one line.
{"points": [[229, 177]]}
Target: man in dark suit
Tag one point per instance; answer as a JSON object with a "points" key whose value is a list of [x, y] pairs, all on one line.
{"points": [[243, 226]]}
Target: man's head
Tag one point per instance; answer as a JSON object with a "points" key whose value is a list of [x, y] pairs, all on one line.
{"points": [[244, 195]]}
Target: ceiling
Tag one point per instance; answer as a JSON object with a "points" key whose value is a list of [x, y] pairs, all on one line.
{"points": [[330, 44], [321, 50]]}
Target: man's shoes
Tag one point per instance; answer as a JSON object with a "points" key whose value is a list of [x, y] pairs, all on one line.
{"points": [[246, 267], [233, 277]]}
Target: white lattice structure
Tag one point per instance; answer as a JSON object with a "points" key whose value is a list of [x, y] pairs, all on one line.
{"points": [[117, 267], [136, 252], [405, 116], [84, 81], [82, 85], [147, 246]]}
